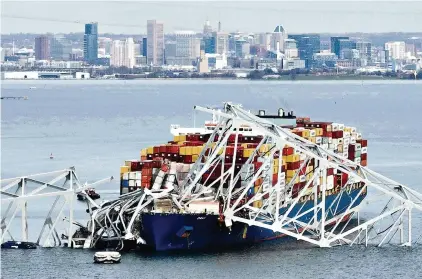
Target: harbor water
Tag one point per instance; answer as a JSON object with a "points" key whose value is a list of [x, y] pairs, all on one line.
{"points": [[96, 125]]}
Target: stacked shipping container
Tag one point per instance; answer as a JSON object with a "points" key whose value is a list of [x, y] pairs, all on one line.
{"points": [[184, 150]]}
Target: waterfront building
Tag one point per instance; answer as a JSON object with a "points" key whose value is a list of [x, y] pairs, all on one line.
{"points": [[155, 43], [123, 53], [42, 48], [91, 42], [396, 50], [307, 46]]}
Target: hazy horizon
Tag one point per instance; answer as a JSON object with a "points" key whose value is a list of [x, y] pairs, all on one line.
{"points": [[130, 17]]}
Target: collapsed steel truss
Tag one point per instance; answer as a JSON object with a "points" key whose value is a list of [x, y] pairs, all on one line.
{"points": [[368, 209], [324, 223], [61, 185], [348, 217]]}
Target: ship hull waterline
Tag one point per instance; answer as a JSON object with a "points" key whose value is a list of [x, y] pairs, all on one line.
{"points": [[175, 231]]}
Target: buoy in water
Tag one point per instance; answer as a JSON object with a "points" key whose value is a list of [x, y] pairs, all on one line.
{"points": [[51, 156]]}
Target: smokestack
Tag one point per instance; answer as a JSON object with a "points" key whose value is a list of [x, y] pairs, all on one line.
{"points": [[219, 26]]}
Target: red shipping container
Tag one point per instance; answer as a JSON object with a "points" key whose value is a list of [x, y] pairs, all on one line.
{"points": [[330, 171], [192, 137], [162, 149], [146, 179], [288, 151], [337, 134], [157, 162], [364, 156], [252, 145], [229, 150], [257, 165], [344, 178], [174, 149], [327, 134], [363, 142], [147, 172], [147, 164], [135, 166], [293, 166], [187, 159], [275, 178], [156, 149]]}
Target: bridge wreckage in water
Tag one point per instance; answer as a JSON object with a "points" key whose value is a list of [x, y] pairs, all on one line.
{"points": [[367, 209]]}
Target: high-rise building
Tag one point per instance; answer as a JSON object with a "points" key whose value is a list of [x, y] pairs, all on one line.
{"points": [[144, 47], [335, 44], [60, 47], [396, 50], [155, 42], [91, 42], [105, 43], [242, 48], [307, 45], [277, 39], [123, 53], [209, 44], [221, 40], [290, 48], [365, 50], [42, 48], [345, 45], [207, 29]]}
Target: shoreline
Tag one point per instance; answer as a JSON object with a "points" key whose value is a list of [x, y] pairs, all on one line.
{"points": [[282, 78]]}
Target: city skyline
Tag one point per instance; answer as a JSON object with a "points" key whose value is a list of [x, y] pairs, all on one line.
{"points": [[296, 17]]}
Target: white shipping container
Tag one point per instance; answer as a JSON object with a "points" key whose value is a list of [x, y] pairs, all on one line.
{"points": [[325, 145], [364, 150], [312, 133], [352, 141], [330, 182], [340, 141], [132, 175], [358, 136], [357, 160], [346, 135], [126, 176], [318, 140], [358, 146], [353, 129], [324, 140], [334, 126], [138, 182], [302, 156], [345, 148], [341, 127], [138, 175], [302, 178], [345, 154], [282, 175], [346, 141], [131, 183], [330, 140], [334, 141]]}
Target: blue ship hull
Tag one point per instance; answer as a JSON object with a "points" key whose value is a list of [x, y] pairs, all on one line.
{"points": [[175, 231]]}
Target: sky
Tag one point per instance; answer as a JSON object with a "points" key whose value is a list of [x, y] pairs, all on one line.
{"points": [[129, 17]]}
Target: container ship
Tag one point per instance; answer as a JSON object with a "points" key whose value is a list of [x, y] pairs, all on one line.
{"points": [[164, 224]]}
